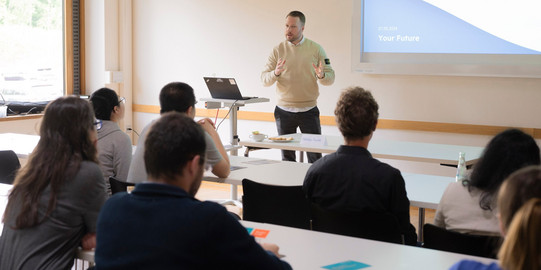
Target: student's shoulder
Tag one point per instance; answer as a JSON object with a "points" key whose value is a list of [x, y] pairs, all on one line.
{"points": [[384, 168], [90, 168], [474, 265]]}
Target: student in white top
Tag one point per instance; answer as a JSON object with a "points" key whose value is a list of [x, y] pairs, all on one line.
{"points": [[519, 204], [469, 206]]}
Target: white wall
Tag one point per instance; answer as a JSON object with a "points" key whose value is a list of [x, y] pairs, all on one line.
{"points": [[185, 40]]}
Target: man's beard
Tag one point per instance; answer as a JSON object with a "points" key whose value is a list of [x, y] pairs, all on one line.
{"points": [[197, 182]]}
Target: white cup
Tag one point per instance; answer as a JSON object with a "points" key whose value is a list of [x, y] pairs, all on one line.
{"points": [[258, 137], [3, 111]]}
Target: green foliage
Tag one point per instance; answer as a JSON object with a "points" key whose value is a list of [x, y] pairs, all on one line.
{"points": [[44, 14]]}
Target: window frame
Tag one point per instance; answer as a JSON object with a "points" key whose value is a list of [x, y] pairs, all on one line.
{"points": [[74, 59]]}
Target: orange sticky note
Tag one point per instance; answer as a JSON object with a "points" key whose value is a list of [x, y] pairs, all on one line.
{"points": [[260, 233]]}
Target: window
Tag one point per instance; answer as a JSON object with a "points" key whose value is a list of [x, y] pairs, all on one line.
{"points": [[32, 60]]}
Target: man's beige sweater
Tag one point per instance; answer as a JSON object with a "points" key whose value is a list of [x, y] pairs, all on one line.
{"points": [[297, 85]]}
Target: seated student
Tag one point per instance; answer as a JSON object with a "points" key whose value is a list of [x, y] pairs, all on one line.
{"points": [[114, 146], [179, 97], [519, 204], [351, 178], [469, 206], [160, 225], [54, 204]]}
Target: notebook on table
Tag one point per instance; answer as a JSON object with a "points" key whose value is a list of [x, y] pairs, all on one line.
{"points": [[224, 88]]}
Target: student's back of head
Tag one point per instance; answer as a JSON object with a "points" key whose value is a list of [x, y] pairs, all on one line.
{"points": [[176, 96], [104, 101], [507, 152], [522, 247], [356, 113], [519, 203], [517, 189], [172, 141]]}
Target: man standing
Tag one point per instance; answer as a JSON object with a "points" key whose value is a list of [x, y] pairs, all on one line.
{"points": [[296, 65], [350, 179], [180, 97], [160, 225]]}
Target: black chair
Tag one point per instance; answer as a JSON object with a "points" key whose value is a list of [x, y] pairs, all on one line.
{"points": [[363, 224], [9, 165], [281, 205], [476, 245], [119, 186]]}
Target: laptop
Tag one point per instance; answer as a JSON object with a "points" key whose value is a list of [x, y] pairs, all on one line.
{"points": [[224, 88]]}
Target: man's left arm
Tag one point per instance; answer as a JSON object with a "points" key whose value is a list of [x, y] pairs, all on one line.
{"points": [[324, 63], [222, 167]]}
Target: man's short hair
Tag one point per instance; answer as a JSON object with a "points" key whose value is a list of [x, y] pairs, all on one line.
{"points": [[176, 96], [172, 141], [356, 113], [297, 14], [104, 101]]}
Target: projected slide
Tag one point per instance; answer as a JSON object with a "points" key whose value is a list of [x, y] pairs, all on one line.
{"points": [[452, 27]]}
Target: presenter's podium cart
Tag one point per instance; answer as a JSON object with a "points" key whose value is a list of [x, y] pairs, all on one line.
{"points": [[216, 103]]}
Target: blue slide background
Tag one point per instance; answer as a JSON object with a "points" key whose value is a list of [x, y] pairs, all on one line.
{"points": [[438, 31]]}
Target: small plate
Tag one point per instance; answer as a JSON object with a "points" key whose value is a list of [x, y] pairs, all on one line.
{"points": [[274, 139]]}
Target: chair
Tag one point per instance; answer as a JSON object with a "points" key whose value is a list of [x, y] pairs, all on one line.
{"points": [[119, 186], [9, 165], [476, 245], [281, 205], [363, 224]]}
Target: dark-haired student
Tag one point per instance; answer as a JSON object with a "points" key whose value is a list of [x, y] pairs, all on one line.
{"points": [[160, 225], [54, 204], [114, 146], [469, 206], [180, 97], [519, 206], [351, 179]]}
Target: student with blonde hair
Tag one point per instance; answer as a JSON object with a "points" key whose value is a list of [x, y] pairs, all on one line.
{"points": [[519, 204], [522, 248]]}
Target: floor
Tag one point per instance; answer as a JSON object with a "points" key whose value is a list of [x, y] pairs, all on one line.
{"points": [[210, 191]]}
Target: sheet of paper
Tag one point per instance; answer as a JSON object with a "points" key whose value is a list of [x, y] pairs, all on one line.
{"points": [[261, 161], [347, 265], [313, 140], [234, 168]]}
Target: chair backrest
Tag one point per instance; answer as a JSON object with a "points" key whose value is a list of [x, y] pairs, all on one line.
{"points": [[281, 205], [119, 186], [9, 165], [446, 240], [364, 224]]}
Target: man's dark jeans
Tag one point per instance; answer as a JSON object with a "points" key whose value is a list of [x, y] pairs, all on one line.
{"points": [[287, 123]]}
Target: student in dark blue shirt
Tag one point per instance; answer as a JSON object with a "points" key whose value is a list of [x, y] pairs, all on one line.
{"points": [[160, 225]]}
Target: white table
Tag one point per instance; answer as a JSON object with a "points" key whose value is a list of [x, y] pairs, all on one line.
{"points": [[424, 191], [444, 154], [305, 249], [21, 144]]}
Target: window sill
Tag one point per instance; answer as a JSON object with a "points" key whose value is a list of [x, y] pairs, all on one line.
{"points": [[21, 117]]}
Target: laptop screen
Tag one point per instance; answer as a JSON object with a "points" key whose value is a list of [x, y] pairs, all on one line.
{"points": [[223, 88]]}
